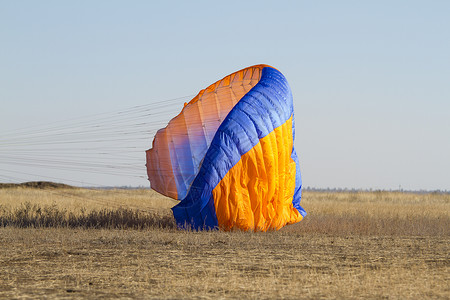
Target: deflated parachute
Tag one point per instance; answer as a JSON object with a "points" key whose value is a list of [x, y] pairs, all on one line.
{"points": [[229, 155]]}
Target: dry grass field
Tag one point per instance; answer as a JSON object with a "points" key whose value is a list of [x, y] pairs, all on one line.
{"points": [[79, 243]]}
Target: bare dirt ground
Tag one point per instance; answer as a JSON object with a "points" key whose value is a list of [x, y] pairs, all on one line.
{"points": [[333, 253]]}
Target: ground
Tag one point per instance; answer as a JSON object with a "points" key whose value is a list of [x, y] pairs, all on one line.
{"points": [[307, 260]]}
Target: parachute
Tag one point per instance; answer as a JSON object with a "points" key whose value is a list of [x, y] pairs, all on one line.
{"points": [[229, 155]]}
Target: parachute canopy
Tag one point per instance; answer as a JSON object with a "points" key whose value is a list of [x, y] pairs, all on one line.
{"points": [[229, 155]]}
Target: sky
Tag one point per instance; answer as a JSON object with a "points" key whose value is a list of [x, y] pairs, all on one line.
{"points": [[370, 79]]}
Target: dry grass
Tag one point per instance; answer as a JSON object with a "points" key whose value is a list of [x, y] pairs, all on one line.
{"points": [[61, 263], [361, 213], [33, 215], [70, 207], [351, 245], [77, 199], [375, 213]]}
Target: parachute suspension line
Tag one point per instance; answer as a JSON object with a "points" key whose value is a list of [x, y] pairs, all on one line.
{"points": [[111, 144], [94, 118]]}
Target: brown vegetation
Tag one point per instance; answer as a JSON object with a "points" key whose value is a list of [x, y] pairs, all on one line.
{"points": [[351, 245], [36, 184], [33, 215], [375, 213]]}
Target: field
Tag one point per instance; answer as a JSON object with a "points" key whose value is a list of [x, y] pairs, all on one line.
{"points": [[79, 243]]}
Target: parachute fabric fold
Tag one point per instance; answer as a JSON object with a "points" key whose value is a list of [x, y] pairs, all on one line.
{"points": [[178, 149], [229, 155]]}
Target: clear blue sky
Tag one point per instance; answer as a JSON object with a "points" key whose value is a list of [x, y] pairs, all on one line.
{"points": [[370, 79]]}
